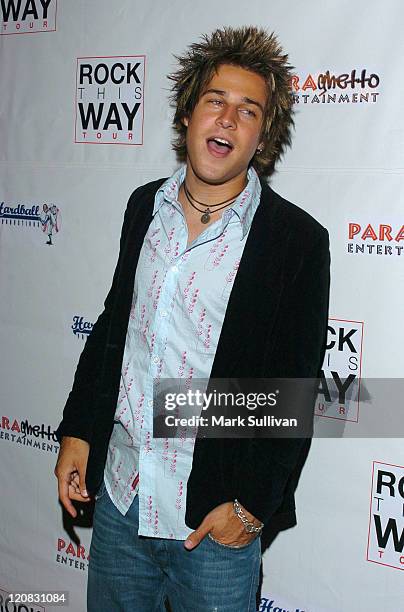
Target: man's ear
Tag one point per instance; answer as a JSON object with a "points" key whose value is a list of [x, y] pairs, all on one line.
{"points": [[185, 121]]}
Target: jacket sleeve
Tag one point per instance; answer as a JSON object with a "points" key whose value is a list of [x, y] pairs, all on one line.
{"points": [[79, 411], [299, 347]]}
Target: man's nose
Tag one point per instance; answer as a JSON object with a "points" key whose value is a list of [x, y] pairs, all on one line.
{"points": [[227, 118]]}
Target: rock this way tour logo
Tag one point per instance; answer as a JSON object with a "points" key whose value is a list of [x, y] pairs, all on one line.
{"points": [[110, 100], [375, 238], [47, 218], [27, 16], [340, 379], [386, 518], [332, 87]]}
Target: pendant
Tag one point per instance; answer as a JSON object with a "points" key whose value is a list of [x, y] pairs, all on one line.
{"points": [[206, 216]]}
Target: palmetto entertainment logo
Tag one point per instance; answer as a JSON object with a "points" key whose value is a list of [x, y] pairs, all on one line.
{"points": [[72, 554], [366, 236], [39, 436], [353, 86]]}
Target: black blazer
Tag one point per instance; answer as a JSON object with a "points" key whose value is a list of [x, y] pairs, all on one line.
{"points": [[275, 326]]}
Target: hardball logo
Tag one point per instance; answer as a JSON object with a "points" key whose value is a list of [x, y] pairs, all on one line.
{"points": [[27, 16], [41, 437], [386, 520], [374, 238], [271, 604], [47, 217], [110, 100], [72, 555], [336, 87], [340, 378], [81, 328]]}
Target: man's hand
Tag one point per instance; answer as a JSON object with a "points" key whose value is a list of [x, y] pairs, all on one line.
{"points": [[224, 526], [70, 471]]}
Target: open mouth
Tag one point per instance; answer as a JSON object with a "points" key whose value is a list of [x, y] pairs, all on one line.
{"points": [[219, 147]]}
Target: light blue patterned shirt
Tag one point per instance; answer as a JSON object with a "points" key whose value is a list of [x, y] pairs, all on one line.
{"points": [[179, 303]]}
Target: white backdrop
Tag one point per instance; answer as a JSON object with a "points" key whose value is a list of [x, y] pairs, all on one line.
{"points": [[346, 167]]}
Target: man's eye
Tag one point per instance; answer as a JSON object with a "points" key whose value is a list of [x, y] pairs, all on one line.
{"points": [[248, 112], [216, 102]]}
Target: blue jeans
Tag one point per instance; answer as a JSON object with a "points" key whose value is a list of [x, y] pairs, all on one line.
{"points": [[131, 573]]}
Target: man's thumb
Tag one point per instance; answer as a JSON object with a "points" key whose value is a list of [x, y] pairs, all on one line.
{"points": [[196, 536]]}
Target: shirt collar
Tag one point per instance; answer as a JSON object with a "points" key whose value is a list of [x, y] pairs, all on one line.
{"points": [[244, 207], [169, 190]]}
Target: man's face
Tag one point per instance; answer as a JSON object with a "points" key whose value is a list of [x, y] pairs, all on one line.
{"points": [[231, 108]]}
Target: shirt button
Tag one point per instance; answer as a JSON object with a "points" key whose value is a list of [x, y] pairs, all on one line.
{"points": [[163, 313], [156, 359], [174, 269], [150, 403]]}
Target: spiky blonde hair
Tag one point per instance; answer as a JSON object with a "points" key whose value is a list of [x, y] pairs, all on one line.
{"points": [[250, 48]]}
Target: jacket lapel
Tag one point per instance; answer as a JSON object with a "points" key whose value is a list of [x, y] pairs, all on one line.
{"points": [[256, 291], [139, 224]]}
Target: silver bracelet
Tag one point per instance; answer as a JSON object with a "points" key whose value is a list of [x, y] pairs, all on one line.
{"points": [[248, 525]]}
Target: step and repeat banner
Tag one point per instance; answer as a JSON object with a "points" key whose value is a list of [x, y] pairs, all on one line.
{"points": [[84, 119]]}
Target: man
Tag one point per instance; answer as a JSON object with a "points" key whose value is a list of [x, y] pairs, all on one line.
{"points": [[219, 277], [49, 220]]}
